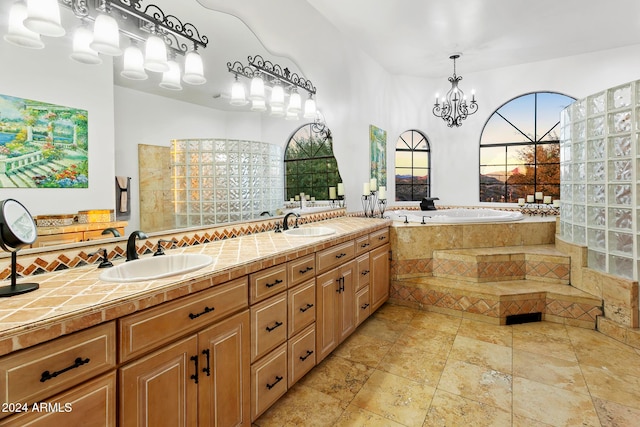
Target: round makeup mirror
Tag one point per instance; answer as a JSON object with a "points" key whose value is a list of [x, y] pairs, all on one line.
{"points": [[17, 229]]}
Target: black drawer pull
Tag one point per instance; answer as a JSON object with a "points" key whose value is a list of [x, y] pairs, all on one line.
{"points": [[306, 270], [46, 375], [306, 356], [271, 285], [277, 325], [365, 272], [194, 377], [206, 310], [278, 379], [365, 306], [303, 309], [207, 370], [340, 255], [382, 237], [364, 245]]}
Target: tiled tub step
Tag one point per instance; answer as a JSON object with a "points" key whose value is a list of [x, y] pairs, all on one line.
{"points": [[493, 302], [540, 262]]}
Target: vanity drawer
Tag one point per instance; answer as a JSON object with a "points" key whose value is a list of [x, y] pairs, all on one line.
{"points": [[363, 271], [268, 325], [363, 305], [335, 256], [39, 372], [302, 306], [267, 282], [362, 245], [268, 381], [144, 331], [301, 269], [379, 238], [302, 354]]}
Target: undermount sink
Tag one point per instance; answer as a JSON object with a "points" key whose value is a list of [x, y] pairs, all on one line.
{"points": [[155, 267], [310, 231]]}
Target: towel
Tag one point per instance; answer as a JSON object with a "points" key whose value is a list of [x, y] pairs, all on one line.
{"points": [[123, 198]]}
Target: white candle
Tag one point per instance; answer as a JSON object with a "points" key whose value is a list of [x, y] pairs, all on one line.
{"points": [[292, 200], [556, 203], [340, 189], [366, 190], [302, 196], [382, 192], [313, 199], [538, 195], [547, 199], [297, 197], [521, 201], [373, 184], [307, 197], [332, 193], [530, 198]]}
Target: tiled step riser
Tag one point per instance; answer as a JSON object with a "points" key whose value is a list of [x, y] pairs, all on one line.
{"points": [[493, 268]]}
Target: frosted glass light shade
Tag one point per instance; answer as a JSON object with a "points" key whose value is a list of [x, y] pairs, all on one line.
{"points": [[292, 115], [277, 111], [18, 34], [295, 103], [277, 97], [258, 105], [171, 78], [133, 67], [238, 96], [193, 69], [257, 89], [43, 17], [81, 51], [155, 55], [309, 109], [106, 37]]}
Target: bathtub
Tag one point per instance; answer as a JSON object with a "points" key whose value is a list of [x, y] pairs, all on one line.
{"points": [[455, 216]]}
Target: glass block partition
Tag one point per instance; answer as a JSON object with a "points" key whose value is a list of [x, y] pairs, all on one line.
{"points": [[220, 180], [599, 155]]}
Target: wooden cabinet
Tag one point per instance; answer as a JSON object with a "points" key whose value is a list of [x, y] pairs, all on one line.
{"points": [[202, 379], [335, 318], [379, 285], [268, 380], [267, 282], [268, 325], [301, 353]]}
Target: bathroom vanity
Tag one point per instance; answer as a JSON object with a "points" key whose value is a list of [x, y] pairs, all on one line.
{"points": [[217, 346]]}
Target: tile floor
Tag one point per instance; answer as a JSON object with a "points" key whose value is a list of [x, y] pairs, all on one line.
{"points": [[405, 367]]}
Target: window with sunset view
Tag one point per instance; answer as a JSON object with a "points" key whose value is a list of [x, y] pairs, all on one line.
{"points": [[413, 166]]}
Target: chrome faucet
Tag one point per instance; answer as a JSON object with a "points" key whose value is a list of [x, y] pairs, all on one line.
{"points": [[132, 252], [285, 221]]}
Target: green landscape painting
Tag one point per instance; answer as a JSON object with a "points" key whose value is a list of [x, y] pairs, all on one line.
{"points": [[42, 145]]}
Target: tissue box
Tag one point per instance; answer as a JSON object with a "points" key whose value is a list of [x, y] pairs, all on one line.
{"points": [[96, 215]]}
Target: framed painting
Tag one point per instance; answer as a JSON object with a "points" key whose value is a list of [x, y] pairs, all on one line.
{"points": [[378, 154], [42, 145]]}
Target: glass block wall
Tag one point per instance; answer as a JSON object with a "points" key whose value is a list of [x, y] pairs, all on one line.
{"points": [[220, 180], [599, 184]]}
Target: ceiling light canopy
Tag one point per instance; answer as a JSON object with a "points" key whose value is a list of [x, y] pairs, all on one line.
{"points": [[453, 108], [148, 24], [282, 82]]}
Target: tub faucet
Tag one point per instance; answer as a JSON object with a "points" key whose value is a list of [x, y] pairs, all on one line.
{"points": [[406, 218], [423, 217], [285, 221], [111, 230], [132, 252]]}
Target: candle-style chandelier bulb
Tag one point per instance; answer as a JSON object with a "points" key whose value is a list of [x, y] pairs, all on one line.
{"points": [[453, 108]]}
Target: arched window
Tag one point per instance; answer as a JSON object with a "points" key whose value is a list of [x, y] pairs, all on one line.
{"points": [[413, 166], [310, 166], [520, 148]]}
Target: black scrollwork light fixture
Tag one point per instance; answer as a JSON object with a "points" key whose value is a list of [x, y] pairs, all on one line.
{"points": [[453, 108], [260, 71], [159, 31]]}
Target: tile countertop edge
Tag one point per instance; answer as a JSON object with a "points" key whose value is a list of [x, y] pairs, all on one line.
{"points": [[15, 336]]}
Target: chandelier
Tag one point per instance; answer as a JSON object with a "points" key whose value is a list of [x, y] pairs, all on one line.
{"points": [[164, 36], [453, 108], [282, 82]]}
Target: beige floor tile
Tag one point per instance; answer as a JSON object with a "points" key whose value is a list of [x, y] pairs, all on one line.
{"points": [[534, 342], [608, 385], [302, 406], [552, 405], [494, 356], [520, 421], [338, 377], [354, 416], [436, 321], [428, 340], [414, 364], [396, 313], [614, 415], [555, 330], [361, 348], [495, 334], [452, 410], [395, 398], [478, 383], [383, 329], [549, 370]]}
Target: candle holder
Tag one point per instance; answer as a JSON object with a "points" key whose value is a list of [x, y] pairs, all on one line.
{"points": [[382, 205], [369, 203], [337, 203]]}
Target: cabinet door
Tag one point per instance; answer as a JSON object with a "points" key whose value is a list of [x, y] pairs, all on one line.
{"points": [[327, 287], [160, 389], [379, 276], [347, 296], [224, 387]]}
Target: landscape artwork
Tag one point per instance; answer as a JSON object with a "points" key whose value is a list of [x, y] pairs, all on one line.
{"points": [[378, 154], [42, 145]]}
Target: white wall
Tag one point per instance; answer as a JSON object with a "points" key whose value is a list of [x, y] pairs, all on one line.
{"points": [[48, 75]]}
